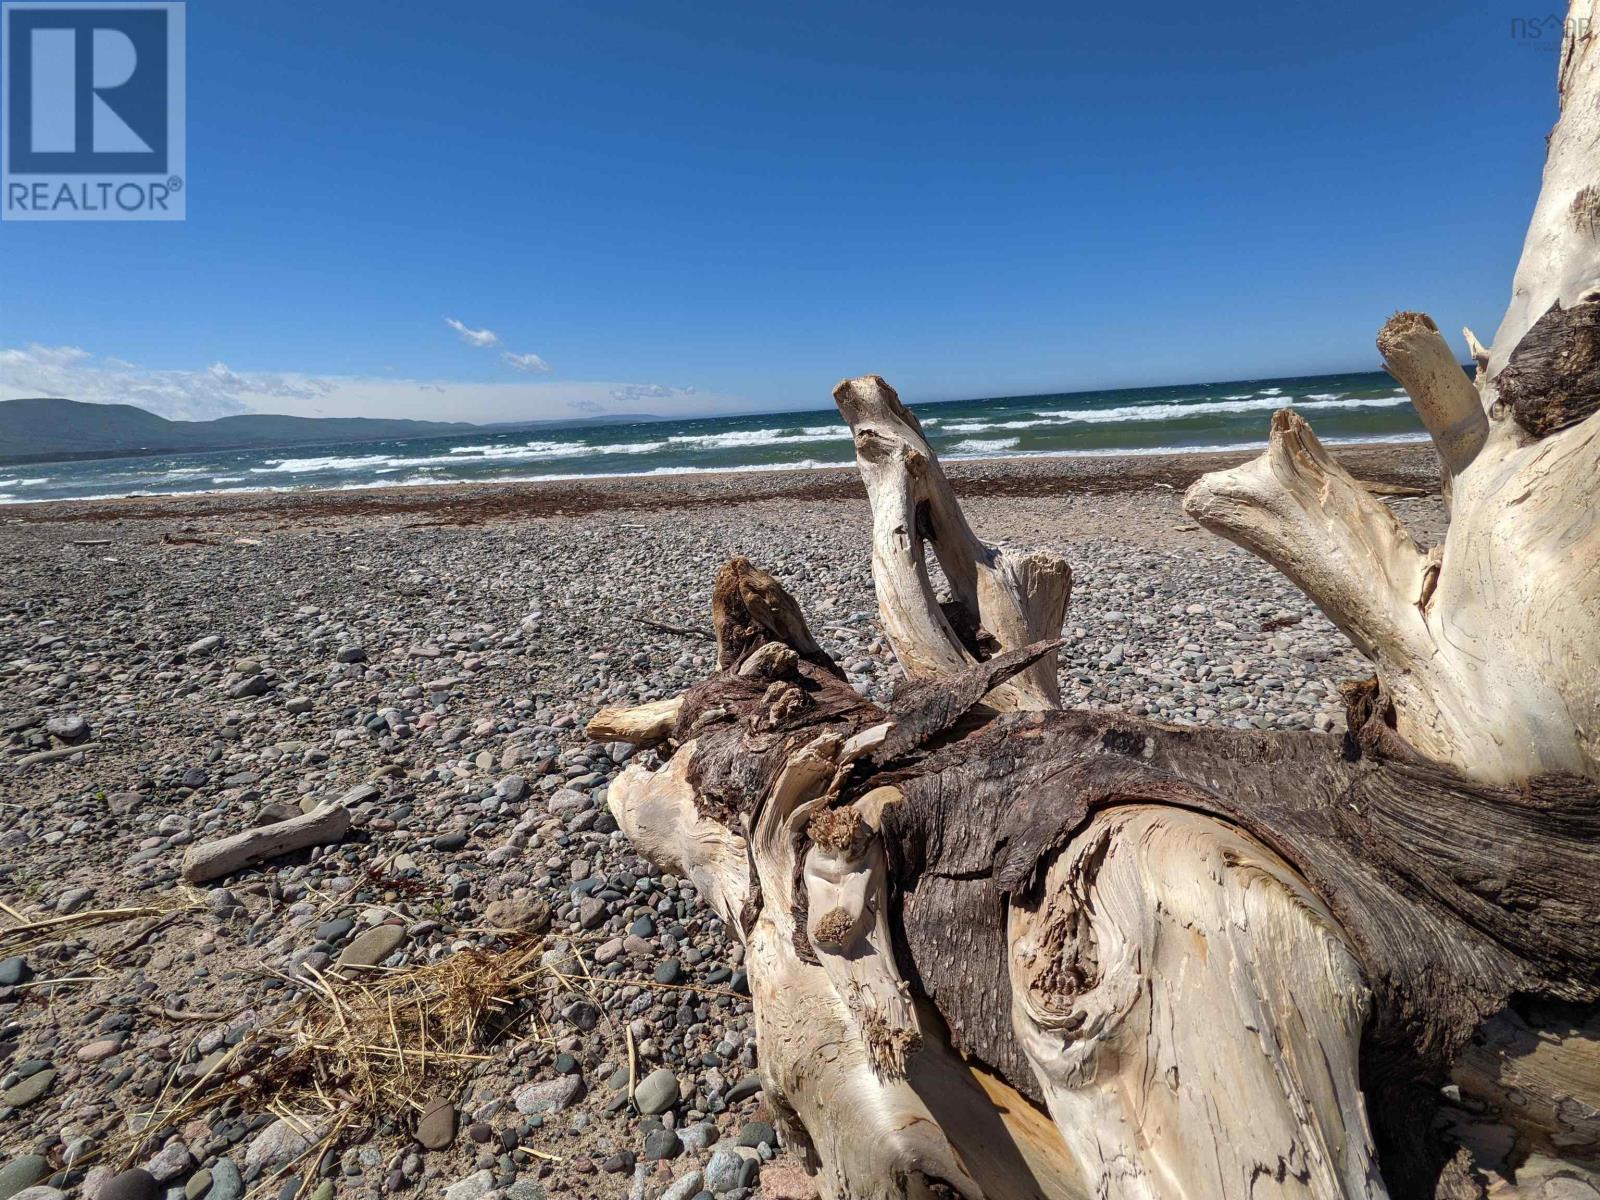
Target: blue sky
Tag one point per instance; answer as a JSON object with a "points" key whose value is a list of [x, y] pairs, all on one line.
{"points": [[688, 207]]}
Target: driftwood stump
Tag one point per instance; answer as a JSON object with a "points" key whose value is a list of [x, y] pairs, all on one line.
{"points": [[1001, 950]]}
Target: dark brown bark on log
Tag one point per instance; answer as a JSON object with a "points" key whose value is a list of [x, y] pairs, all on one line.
{"points": [[1457, 897], [924, 709], [1463, 901], [749, 608], [1552, 380]]}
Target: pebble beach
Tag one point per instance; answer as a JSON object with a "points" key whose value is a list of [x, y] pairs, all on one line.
{"points": [[177, 670]]}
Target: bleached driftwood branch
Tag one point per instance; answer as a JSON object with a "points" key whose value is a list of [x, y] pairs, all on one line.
{"points": [[1485, 644], [1001, 599], [212, 860], [639, 725], [1446, 400]]}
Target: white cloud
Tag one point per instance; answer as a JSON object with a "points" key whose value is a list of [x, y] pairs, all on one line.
{"points": [[44, 358], [219, 391], [482, 338], [526, 362], [73, 373]]}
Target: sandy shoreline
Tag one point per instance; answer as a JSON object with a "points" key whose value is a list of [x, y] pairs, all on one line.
{"points": [[1397, 464]]}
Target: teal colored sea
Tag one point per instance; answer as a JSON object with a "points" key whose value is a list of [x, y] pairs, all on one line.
{"points": [[1191, 417]]}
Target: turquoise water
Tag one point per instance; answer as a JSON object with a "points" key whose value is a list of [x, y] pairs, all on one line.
{"points": [[1343, 408]]}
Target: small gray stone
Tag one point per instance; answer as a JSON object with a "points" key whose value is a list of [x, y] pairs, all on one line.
{"points": [[137, 1184], [756, 1133], [727, 1170], [437, 1129], [656, 1092], [581, 1014], [548, 1095], [748, 1086], [473, 1187], [171, 1161], [661, 1143], [371, 947], [25, 1093], [277, 1145], [332, 931], [519, 914], [21, 1173], [40, 1192], [696, 1138], [14, 970], [70, 729], [226, 1183], [685, 1186]]}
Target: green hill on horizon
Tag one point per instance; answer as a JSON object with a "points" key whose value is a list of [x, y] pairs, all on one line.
{"points": [[45, 429]]}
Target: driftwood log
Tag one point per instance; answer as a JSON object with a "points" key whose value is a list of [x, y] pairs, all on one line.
{"points": [[1001, 950], [327, 823]]}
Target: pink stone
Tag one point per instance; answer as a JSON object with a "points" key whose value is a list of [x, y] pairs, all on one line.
{"points": [[95, 1051]]}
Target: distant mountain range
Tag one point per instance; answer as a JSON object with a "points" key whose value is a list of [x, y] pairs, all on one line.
{"points": [[52, 430]]}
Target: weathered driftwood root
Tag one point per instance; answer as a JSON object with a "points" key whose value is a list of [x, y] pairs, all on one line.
{"points": [[862, 1081], [1124, 921], [1488, 644], [1230, 964]]}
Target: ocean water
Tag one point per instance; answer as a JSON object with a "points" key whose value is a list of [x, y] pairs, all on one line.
{"points": [[1211, 416]]}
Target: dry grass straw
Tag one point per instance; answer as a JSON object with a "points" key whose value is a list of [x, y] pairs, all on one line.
{"points": [[351, 1053], [386, 1041], [22, 934]]}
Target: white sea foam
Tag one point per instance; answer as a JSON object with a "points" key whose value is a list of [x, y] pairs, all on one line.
{"points": [[984, 446], [1167, 412], [761, 437]]}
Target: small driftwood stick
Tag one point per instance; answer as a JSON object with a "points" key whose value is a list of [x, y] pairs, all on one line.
{"points": [[56, 755], [323, 825]]}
